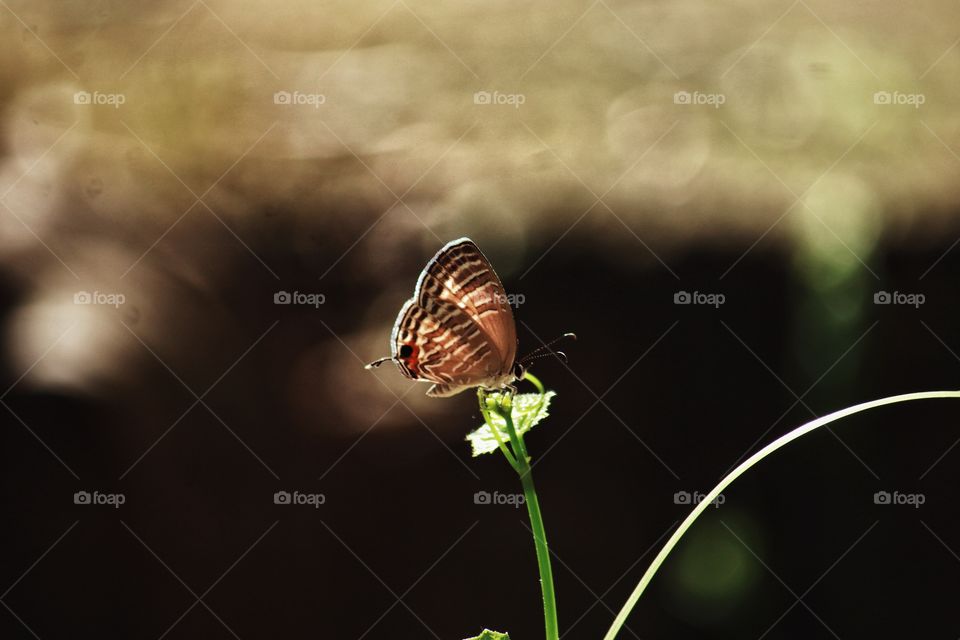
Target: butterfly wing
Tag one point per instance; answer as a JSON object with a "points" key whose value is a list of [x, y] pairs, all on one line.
{"points": [[440, 343], [462, 276]]}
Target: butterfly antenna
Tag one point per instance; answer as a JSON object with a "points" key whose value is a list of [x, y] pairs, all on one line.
{"points": [[559, 354], [377, 363], [536, 353]]}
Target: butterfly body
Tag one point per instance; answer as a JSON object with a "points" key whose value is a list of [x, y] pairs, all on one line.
{"points": [[457, 331]]}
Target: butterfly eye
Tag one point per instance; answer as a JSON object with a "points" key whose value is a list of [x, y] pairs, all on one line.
{"points": [[405, 351]]}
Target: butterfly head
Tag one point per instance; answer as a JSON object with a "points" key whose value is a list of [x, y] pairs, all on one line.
{"points": [[519, 370]]}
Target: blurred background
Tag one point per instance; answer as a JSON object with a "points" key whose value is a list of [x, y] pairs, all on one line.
{"points": [[211, 212]]}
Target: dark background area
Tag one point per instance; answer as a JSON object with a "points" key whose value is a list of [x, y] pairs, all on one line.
{"points": [[400, 512]]}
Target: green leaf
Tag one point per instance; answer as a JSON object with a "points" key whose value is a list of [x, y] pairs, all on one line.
{"points": [[490, 635], [528, 410]]}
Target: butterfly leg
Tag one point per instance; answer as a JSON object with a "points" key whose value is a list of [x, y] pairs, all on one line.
{"points": [[377, 363], [506, 396]]}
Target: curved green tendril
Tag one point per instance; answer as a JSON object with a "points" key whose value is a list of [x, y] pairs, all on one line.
{"points": [[736, 473]]}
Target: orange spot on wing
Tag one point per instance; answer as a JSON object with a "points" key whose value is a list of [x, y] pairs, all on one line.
{"points": [[410, 354]]}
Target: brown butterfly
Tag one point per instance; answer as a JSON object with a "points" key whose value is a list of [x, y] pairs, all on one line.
{"points": [[457, 331]]}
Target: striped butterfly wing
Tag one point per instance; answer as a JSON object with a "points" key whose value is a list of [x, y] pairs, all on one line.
{"points": [[440, 343], [461, 275], [458, 330]]}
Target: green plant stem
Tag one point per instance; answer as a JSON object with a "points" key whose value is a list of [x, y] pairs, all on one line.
{"points": [[543, 553], [520, 461], [516, 441], [736, 473], [534, 381], [482, 398]]}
